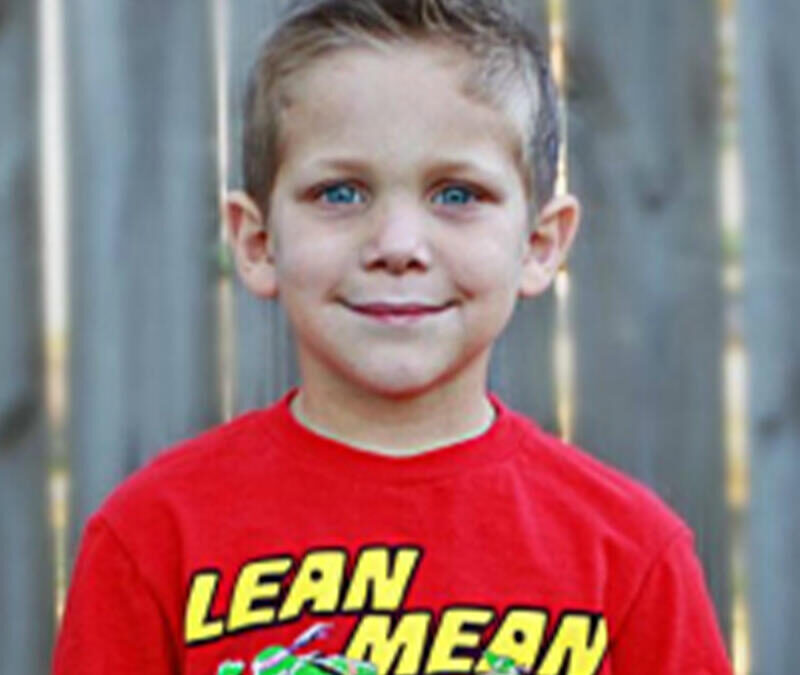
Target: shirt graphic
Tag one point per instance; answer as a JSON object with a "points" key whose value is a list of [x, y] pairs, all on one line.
{"points": [[387, 638]]}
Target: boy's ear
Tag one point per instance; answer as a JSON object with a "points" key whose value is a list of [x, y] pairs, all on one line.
{"points": [[548, 244], [251, 244]]}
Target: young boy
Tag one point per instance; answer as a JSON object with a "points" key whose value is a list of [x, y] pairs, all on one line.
{"points": [[390, 515]]}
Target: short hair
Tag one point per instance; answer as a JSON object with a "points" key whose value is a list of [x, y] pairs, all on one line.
{"points": [[510, 71]]}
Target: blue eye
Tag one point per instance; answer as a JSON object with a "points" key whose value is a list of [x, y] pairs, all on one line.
{"points": [[347, 193], [457, 195], [341, 193]]}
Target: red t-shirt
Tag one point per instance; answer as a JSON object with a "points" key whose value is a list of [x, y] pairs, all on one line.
{"points": [[510, 542]]}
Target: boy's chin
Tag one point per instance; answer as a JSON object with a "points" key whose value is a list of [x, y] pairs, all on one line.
{"points": [[397, 383]]}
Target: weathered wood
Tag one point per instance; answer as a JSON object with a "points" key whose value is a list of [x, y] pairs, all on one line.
{"points": [[26, 571], [521, 370], [144, 219], [265, 357], [770, 103], [646, 289]]}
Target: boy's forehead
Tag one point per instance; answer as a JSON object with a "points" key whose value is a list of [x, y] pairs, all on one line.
{"points": [[428, 65], [364, 105]]}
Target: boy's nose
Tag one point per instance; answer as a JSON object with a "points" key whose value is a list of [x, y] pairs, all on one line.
{"points": [[399, 242]]}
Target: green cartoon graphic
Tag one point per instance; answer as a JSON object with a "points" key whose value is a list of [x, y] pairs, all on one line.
{"points": [[278, 660], [230, 668], [502, 665]]}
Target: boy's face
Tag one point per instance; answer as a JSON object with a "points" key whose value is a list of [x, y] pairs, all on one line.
{"points": [[398, 238]]}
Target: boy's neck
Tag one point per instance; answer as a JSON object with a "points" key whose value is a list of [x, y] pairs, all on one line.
{"points": [[396, 428]]}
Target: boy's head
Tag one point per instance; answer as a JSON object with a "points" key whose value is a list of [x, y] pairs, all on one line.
{"points": [[400, 157], [505, 66]]}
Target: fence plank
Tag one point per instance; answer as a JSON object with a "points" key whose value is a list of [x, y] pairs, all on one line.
{"points": [[647, 297], [144, 219], [521, 369], [265, 357], [770, 100], [26, 572]]}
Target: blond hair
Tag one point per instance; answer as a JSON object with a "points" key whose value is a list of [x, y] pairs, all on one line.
{"points": [[511, 72]]}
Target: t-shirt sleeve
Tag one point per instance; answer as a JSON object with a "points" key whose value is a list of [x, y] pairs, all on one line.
{"points": [[112, 621], [671, 627]]}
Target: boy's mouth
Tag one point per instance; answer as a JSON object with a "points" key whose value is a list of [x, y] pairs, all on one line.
{"points": [[386, 310]]}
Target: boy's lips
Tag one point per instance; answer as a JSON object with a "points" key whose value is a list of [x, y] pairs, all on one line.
{"points": [[390, 309]]}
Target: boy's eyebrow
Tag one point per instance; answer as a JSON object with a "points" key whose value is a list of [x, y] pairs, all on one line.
{"points": [[353, 164], [342, 163]]}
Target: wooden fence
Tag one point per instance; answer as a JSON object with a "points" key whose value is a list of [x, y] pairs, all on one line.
{"points": [[154, 92]]}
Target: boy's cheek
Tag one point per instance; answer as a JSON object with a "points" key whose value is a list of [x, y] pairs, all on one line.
{"points": [[485, 270], [308, 268]]}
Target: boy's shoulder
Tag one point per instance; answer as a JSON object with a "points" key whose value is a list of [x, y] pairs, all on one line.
{"points": [[560, 478], [184, 467], [594, 493]]}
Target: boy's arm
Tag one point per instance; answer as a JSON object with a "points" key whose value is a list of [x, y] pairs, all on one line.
{"points": [[671, 628], [112, 621]]}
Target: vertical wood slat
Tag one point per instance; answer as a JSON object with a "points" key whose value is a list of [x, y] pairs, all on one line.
{"points": [[26, 572], [770, 104], [265, 358], [143, 218], [647, 301], [521, 369]]}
